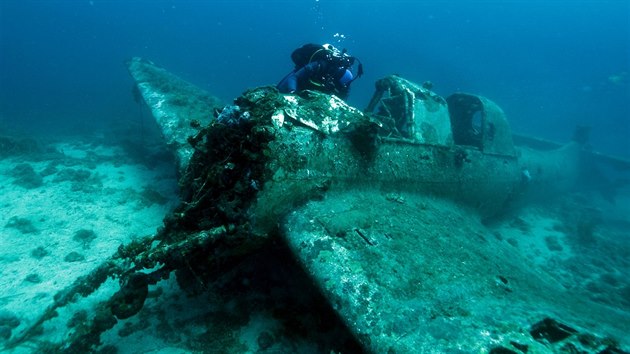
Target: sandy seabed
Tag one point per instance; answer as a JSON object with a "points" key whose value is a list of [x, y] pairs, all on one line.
{"points": [[67, 205]]}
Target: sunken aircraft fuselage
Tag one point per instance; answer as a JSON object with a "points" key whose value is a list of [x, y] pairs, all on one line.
{"points": [[409, 139], [380, 208]]}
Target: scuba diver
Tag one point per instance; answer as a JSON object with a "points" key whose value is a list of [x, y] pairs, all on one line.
{"points": [[322, 68]]}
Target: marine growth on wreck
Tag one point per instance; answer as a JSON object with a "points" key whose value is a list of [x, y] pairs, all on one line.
{"points": [[355, 230]]}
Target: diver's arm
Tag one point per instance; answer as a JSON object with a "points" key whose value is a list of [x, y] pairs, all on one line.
{"points": [[307, 71], [290, 83]]}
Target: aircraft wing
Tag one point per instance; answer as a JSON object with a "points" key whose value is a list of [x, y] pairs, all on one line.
{"points": [[174, 103], [409, 273]]}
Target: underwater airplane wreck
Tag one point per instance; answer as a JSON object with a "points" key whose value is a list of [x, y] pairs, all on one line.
{"points": [[372, 222]]}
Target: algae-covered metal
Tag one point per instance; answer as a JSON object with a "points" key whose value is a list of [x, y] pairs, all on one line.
{"points": [[412, 111], [479, 122]]}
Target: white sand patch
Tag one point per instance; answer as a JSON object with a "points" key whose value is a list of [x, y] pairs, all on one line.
{"points": [[535, 233]]}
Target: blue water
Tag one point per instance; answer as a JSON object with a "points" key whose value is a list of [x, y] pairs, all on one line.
{"points": [[549, 64]]}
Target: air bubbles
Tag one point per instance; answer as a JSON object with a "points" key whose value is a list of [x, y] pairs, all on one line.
{"points": [[339, 37]]}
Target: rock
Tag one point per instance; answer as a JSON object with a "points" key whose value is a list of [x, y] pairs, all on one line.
{"points": [[551, 330], [39, 252], [23, 225], [74, 257], [33, 278], [502, 350], [85, 237], [25, 176], [9, 319], [553, 244], [5, 332]]}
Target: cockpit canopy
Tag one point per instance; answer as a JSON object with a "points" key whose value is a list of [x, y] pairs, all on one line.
{"points": [[413, 112]]}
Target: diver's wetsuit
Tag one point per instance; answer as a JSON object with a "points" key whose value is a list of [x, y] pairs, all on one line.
{"points": [[318, 75]]}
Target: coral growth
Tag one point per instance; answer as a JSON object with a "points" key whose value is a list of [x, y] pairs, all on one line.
{"points": [[25, 176]]}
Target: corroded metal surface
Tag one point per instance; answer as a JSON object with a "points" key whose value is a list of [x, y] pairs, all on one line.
{"points": [[175, 104]]}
